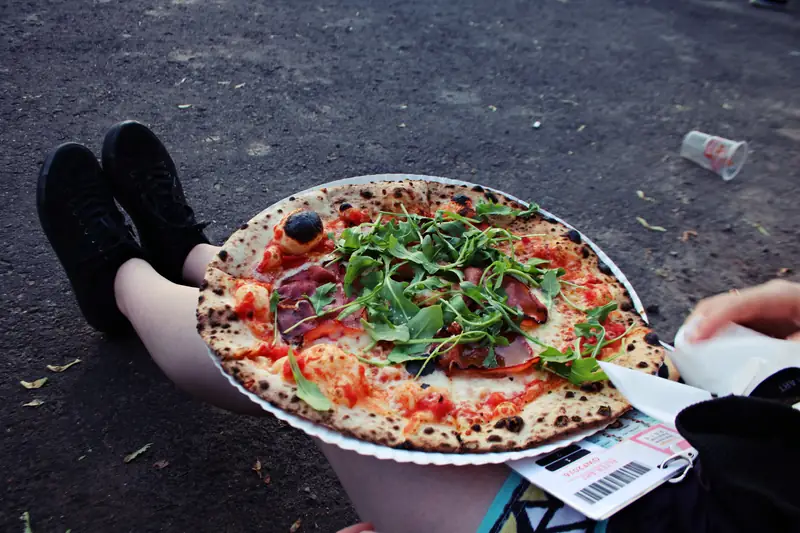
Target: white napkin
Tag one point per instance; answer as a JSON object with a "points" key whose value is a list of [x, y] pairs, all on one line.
{"points": [[734, 361]]}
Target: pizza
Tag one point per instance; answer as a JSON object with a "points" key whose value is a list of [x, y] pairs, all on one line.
{"points": [[423, 315]]}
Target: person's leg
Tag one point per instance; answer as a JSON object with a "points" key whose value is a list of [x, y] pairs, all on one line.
{"points": [[163, 315]]}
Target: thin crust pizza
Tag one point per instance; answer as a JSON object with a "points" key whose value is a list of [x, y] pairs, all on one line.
{"points": [[423, 315]]}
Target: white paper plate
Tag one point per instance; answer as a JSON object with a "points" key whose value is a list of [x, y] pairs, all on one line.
{"points": [[410, 456]]}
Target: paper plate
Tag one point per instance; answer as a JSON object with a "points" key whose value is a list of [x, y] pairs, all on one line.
{"points": [[330, 436]]}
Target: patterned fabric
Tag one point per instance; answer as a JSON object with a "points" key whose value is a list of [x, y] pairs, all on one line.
{"points": [[520, 507]]}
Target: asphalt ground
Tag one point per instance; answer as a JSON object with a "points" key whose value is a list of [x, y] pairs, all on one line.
{"points": [[259, 100]]}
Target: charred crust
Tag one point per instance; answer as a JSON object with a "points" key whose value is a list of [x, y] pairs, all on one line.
{"points": [[576, 418], [477, 188], [461, 199], [476, 428], [595, 386], [584, 399], [344, 207], [626, 306], [424, 386], [366, 194], [304, 226], [490, 196], [642, 364], [397, 193], [201, 298], [223, 255], [604, 268], [244, 226], [652, 339], [604, 410], [630, 347], [218, 291], [294, 399], [561, 421], [263, 384], [574, 236], [569, 394], [464, 211], [292, 198], [494, 438], [540, 419], [585, 252], [204, 285], [512, 423], [428, 431]]}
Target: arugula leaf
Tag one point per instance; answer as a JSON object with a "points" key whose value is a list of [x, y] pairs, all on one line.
{"points": [[350, 239], [386, 332], [308, 391], [600, 314], [356, 265], [274, 298], [473, 291], [491, 359], [401, 309], [552, 355], [322, 297], [400, 355], [416, 256], [550, 286], [586, 370], [485, 209], [588, 330], [426, 323], [453, 228]]}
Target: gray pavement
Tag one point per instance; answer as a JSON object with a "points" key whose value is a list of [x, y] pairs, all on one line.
{"points": [[257, 100]]}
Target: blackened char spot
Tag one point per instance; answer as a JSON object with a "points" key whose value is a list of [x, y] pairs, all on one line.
{"points": [[604, 410], [626, 305], [584, 399], [576, 418], [244, 226], [585, 252], [223, 255], [569, 394], [263, 384], [461, 199], [366, 194], [642, 364], [218, 291], [604, 268], [630, 347], [494, 438], [490, 196], [574, 236], [477, 188], [561, 421], [427, 431], [476, 428], [304, 226], [651, 339], [398, 193], [344, 207], [595, 386]]}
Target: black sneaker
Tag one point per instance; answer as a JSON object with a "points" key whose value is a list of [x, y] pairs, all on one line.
{"points": [[145, 182], [87, 231]]}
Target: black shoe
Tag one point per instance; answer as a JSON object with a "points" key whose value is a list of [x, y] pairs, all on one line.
{"points": [[145, 182], [87, 231]]}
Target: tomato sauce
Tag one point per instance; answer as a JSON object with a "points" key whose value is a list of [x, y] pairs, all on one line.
{"points": [[333, 329], [533, 390], [434, 402], [272, 352], [354, 216]]}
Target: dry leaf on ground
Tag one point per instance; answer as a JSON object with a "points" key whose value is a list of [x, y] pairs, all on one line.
{"points": [[26, 522], [37, 384], [296, 526], [644, 197], [647, 225], [239, 86], [688, 234], [492, 108], [36, 402], [131, 456], [163, 463], [61, 368], [257, 467], [184, 106], [783, 272]]}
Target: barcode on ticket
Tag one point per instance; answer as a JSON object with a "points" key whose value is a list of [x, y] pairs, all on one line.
{"points": [[612, 482]]}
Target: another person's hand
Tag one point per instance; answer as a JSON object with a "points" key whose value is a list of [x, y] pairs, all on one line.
{"points": [[772, 308]]}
